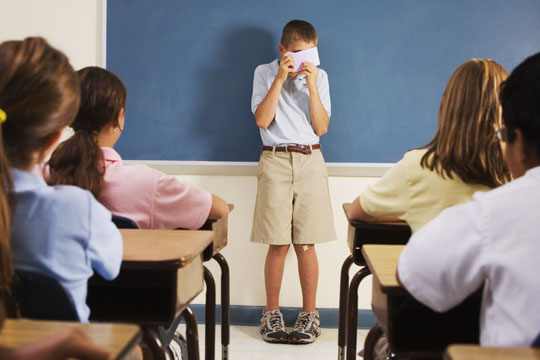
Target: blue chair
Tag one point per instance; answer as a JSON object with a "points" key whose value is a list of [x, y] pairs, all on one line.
{"points": [[124, 222], [536, 342], [42, 297]]}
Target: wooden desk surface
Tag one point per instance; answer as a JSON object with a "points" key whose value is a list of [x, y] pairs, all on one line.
{"points": [[382, 260], [117, 338], [178, 246], [475, 352]]}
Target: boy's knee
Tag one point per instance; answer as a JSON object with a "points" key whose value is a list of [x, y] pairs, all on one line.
{"points": [[303, 248]]}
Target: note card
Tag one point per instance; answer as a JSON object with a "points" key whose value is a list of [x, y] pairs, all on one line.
{"points": [[311, 55]]}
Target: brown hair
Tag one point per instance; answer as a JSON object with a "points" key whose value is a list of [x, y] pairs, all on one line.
{"points": [[465, 143], [39, 92], [79, 160], [6, 265], [298, 30]]}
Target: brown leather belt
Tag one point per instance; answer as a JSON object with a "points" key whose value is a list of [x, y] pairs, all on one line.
{"points": [[304, 149]]}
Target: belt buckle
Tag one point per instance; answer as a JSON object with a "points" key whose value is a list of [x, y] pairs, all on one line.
{"points": [[305, 149]]}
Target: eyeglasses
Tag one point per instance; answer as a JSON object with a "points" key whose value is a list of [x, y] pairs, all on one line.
{"points": [[502, 134]]}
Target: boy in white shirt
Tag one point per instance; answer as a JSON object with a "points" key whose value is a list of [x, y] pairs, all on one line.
{"points": [[495, 239], [292, 109]]}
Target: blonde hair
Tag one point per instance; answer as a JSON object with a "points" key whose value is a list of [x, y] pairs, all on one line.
{"points": [[465, 144]]}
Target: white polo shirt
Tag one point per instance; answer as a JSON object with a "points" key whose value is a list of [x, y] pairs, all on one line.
{"points": [[495, 239], [292, 123]]}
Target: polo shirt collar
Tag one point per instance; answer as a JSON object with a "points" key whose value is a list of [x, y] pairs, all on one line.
{"points": [[109, 154], [26, 181]]}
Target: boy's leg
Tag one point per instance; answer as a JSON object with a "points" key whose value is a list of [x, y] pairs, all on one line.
{"points": [[273, 274], [272, 326], [308, 270], [307, 326]]}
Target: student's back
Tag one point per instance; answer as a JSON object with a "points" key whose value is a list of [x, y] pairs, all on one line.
{"points": [[463, 157], [147, 196], [58, 231]]}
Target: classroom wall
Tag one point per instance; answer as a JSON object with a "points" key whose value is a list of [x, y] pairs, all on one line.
{"points": [[74, 26]]}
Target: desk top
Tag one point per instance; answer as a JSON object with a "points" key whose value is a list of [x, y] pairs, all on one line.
{"points": [[117, 338], [178, 246], [382, 260], [475, 352]]}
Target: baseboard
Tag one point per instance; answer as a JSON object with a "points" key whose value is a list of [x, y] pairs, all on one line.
{"points": [[251, 316]]}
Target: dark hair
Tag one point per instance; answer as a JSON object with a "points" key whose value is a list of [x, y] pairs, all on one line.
{"points": [[39, 93], [79, 160], [465, 143], [298, 30], [520, 100]]}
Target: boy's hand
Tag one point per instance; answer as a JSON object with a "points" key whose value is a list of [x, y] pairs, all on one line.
{"points": [[286, 66], [311, 72]]}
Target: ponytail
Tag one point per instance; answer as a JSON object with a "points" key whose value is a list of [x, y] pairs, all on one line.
{"points": [[6, 264], [78, 161]]}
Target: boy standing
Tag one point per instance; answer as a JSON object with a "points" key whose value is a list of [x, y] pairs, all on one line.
{"points": [[292, 109]]}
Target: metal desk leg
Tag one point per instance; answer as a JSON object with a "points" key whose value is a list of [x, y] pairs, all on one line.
{"points": [[225, 305], [151, 340], [352, 311], [343, 292], [192, 335], [210, 316]]}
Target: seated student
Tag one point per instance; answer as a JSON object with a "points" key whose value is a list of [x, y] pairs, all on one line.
{"points": [[495, 239], [69, 343], [463, 157], [147, 196], [59, 231]]}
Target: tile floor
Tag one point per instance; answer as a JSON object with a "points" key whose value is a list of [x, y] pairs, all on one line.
{"points": [[246, 344]]}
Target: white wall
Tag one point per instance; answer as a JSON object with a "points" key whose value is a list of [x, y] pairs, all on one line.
{"points": [[74, 26]]}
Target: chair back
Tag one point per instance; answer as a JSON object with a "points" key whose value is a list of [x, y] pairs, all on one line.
{"points": [[124, 222], [42, 297], [536, 342]]}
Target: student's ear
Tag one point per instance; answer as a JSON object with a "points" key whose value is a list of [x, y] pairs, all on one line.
{"points": [[521, 155], [121, 119], [281, 49]]}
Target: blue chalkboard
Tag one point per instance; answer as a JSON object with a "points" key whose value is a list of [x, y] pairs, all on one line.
{"points": [[188, 66]]}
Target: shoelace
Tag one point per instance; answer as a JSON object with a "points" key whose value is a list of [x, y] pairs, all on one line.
{"points": [[276, 321], [302, 322]]}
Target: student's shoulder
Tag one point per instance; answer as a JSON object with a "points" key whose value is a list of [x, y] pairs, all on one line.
{"points": [[68, 195], [267, 68]]}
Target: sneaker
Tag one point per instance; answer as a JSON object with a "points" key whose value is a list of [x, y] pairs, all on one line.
{"points": [[306, 329], [272, 327]]}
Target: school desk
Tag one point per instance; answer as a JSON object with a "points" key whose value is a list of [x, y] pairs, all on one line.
{"points": [[118, 339], [161, 273], [410, 329], [360, 233], [220, 229], [475, 352]]}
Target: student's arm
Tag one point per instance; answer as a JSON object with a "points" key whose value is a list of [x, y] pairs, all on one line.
{"points": [[105, 241], [388, 199], [266, 109], [319, 117], [69, 344], [219, 208], [358, 213], [442, 263]]}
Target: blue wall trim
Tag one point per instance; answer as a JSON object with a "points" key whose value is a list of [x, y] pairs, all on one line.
{"points": [[251, 316]]}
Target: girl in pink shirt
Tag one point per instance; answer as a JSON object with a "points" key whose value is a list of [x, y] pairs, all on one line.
{"points": [[149, 197]]}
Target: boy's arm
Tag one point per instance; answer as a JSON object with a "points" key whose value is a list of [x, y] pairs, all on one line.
{"points": [[319, 117], [266, 111]]}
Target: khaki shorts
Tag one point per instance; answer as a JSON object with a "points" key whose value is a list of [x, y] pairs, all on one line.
{"points": [[293, 202]]}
